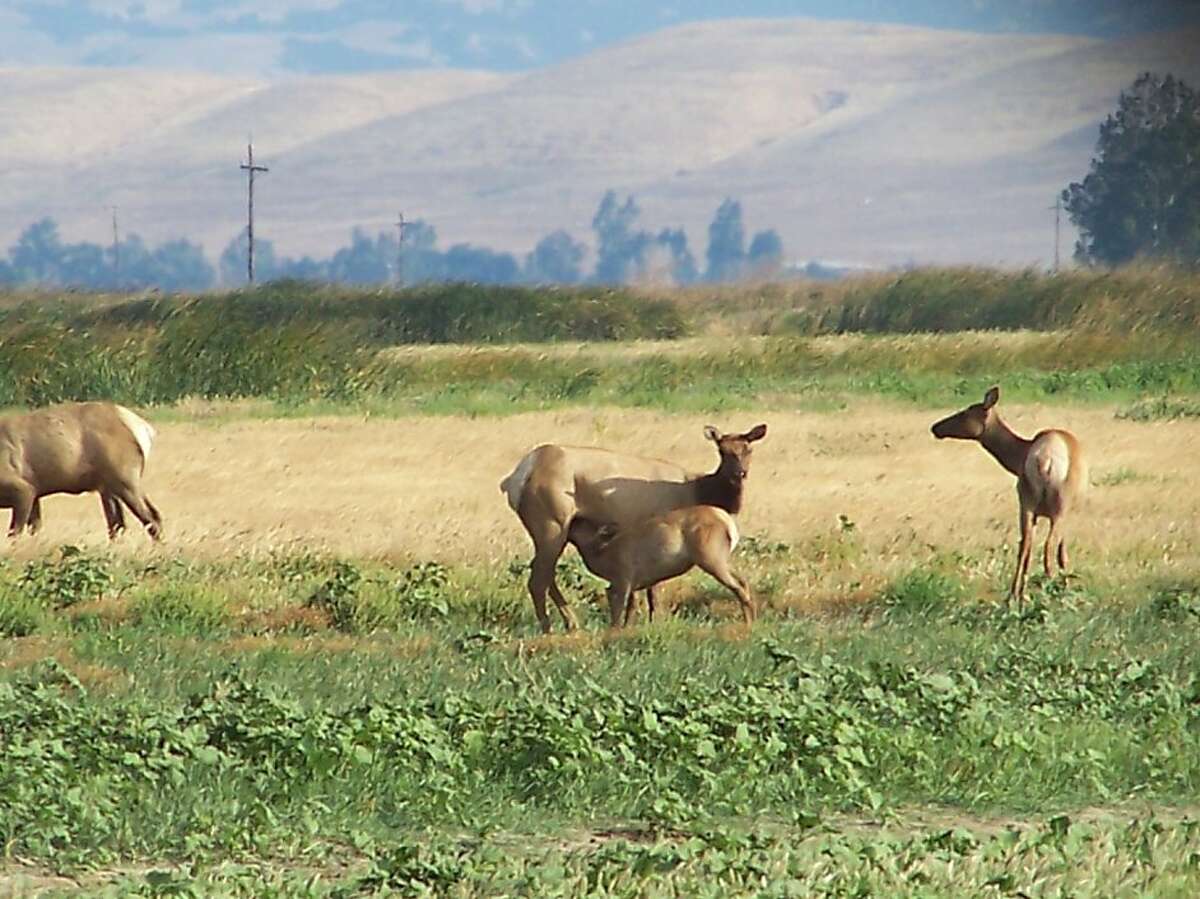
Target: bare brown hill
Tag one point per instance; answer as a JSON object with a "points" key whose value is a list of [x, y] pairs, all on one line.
{"points": [[872, 143]]}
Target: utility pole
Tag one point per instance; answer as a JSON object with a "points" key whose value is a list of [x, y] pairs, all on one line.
{"points": [[400, 225], [1057, 207], [116, 252], [250, 168]]}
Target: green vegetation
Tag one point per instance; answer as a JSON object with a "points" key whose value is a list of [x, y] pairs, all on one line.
{"points": [[1119, 336], [290, 716], [305, 725]]}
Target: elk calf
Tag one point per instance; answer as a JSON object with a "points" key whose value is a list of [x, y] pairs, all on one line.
{"points": [[638, 556], [76, 448], [1051, 475]]}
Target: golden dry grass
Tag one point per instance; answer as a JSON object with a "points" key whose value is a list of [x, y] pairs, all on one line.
{"points": [[427, 488]]}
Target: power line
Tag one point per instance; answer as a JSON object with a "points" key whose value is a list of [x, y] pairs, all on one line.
{"points": [[250, 168]]}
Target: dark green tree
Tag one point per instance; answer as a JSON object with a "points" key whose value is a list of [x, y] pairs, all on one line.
{"points": [[555, 260], [1141, 197], [232, 264], [726, 243], [620, 250], [465, 262], [765, 256], [683, 264], [36, 257], [365, 261]]}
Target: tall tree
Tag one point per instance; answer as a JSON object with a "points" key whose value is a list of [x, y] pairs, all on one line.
{"points": [[620, 251], [1142, 194], [726, 243], [37, 255], [683, 263]]}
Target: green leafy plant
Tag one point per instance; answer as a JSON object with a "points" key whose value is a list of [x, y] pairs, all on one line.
{"points": [[73, 577], [338, 595]]}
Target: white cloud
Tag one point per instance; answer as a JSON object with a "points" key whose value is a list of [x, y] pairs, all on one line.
{"points": [[478, 7], [486, 44], [379, 38], [172, 13], [271, 10]]}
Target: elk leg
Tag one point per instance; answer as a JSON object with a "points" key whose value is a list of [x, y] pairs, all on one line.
{"points": [[155, 516], [724, 575], [140, 506], [542, 581], [1052, 541], [1064, 563], [564, 610], [619, 594], [1018, 585], [35, 515], [114, 515], [545, 515], [23, 501], [631, 610]]}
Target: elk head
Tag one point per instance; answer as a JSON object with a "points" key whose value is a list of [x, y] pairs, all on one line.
{"points": [[735, 450], [971, 422]]}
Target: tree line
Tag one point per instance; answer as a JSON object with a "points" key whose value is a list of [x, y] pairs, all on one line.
{"points": [[624, 252]]}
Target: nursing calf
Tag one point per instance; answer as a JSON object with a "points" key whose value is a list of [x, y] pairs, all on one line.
{"points": [[641, 555]]}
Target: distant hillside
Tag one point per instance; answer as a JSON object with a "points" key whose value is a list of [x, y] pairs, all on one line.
{"points": [[864, 143]]}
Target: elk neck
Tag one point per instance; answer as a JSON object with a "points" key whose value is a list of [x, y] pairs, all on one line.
{"points": [[720, 490], [1005, 445]]}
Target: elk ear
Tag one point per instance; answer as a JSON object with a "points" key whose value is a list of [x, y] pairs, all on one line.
{"points": [[712, 433], [758, 432], [991, 398]]}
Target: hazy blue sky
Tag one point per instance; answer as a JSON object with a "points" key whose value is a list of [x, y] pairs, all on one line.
{"points": [[325, 36]]}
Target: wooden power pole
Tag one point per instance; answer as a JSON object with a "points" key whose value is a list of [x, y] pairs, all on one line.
{"points": [[400, 225], [1057, 207], [116, 252], [250, 168]]}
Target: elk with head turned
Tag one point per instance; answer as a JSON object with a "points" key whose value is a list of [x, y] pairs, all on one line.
{"points": [[553, 484], [641, 555], [76, 448], [1051, 476]]}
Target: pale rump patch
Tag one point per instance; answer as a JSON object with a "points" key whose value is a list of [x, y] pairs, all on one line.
{"points": [[730, 526], [513, 486], [142, 431], [1049, 461]]}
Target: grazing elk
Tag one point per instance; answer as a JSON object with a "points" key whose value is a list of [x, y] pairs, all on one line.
{"points": [[1051, 475], [76, 448], [553, 484], [658, 548]]}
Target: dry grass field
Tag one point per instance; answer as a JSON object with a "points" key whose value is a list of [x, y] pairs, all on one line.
{"points": [[406, 489]]}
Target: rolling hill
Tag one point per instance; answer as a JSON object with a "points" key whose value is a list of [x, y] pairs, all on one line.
{"points": [[875, 144]]}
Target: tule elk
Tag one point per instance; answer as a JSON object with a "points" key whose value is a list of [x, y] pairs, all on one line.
{"points": [[76, 448], [1051, 476], [659, 548], [553, 484]]}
